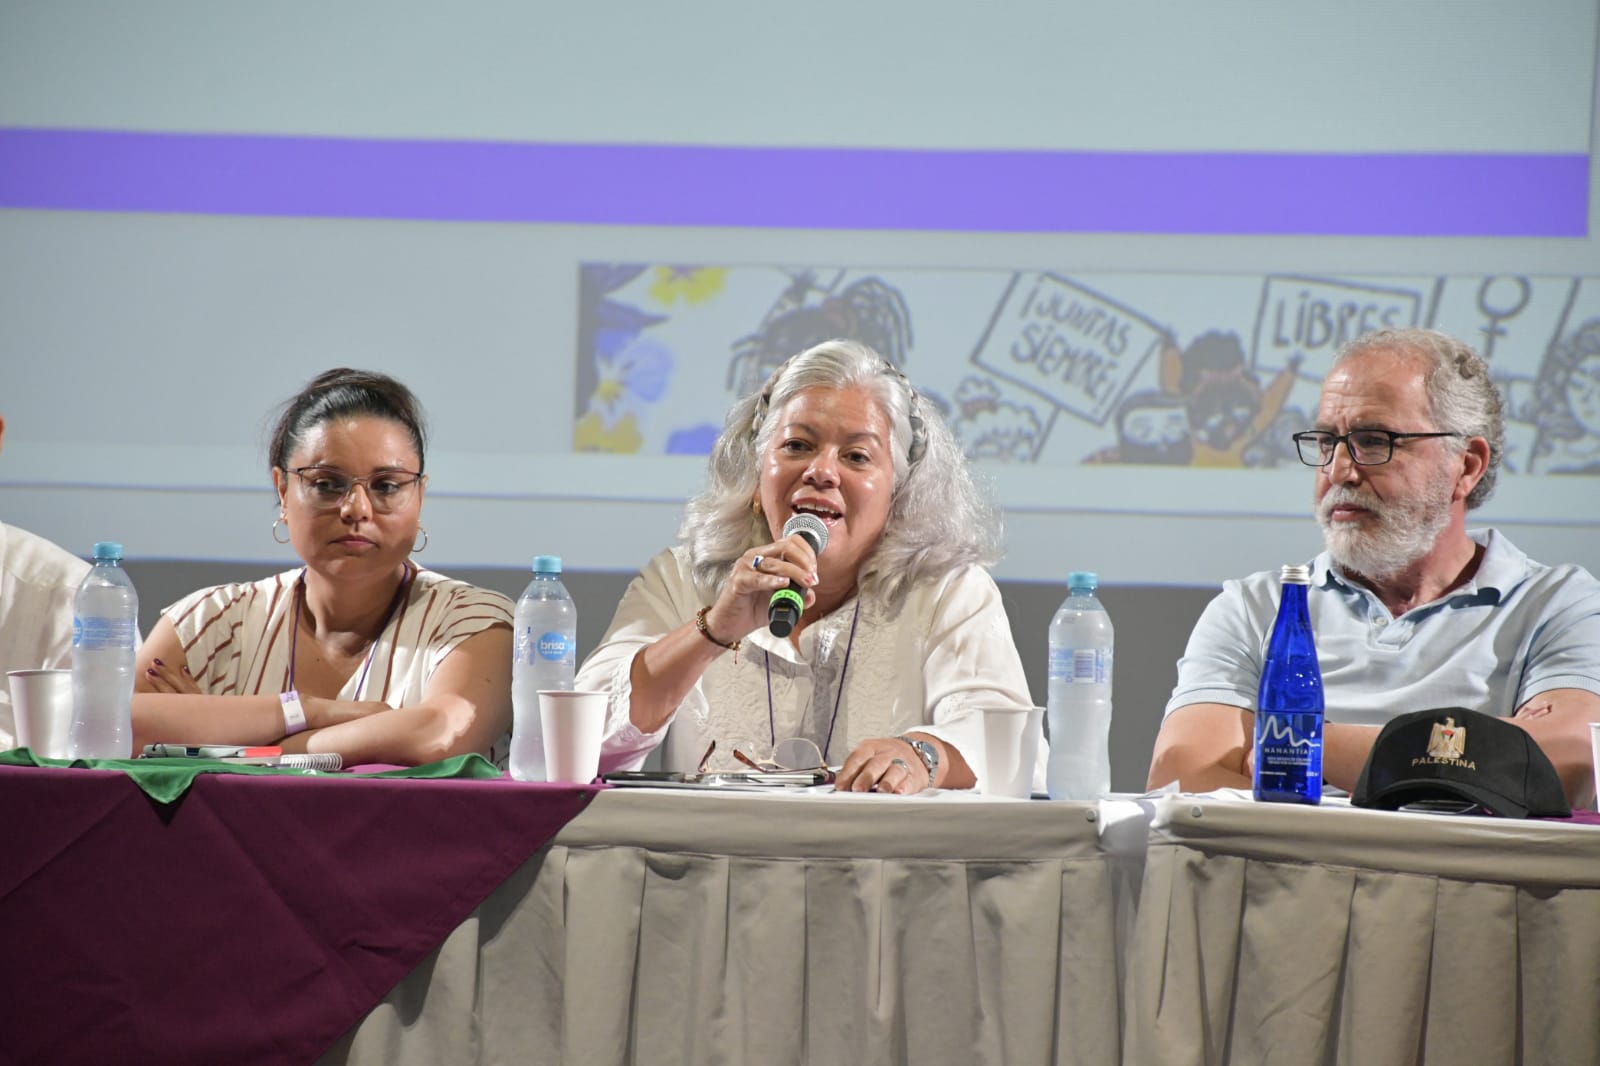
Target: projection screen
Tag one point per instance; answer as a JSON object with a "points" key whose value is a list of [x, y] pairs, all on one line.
{"points": [[1116, 244]]}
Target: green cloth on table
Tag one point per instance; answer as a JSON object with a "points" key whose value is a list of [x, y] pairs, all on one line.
{"points": [[166, 780]]}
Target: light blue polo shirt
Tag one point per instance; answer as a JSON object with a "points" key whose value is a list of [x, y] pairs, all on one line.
{"points": [[1517, 629]]}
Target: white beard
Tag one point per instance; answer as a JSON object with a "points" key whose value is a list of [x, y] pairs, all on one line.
{"points": [[1396, 536]]}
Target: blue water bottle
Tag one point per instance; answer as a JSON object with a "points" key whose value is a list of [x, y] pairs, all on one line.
{"points": [[1289, 707]]}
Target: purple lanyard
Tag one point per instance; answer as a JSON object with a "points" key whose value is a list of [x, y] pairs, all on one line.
{"points": [[294, 626], [772, 722]]}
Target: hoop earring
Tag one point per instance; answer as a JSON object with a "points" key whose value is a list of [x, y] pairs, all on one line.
{"points": [[285, 524], [416, 549]]}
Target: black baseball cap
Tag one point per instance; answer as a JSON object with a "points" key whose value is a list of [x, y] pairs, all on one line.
{"points": [[1465, 755]]}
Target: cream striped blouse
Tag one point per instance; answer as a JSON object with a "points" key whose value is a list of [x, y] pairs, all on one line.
{"points": [[236, 637]]}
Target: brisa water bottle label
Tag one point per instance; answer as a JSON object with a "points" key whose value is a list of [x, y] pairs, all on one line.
{"points": [[96, 634], [555, 647]]}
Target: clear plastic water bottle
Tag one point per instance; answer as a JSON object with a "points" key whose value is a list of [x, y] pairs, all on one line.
{"points": [[1079, 705], [105, 641], [545, 656], [1289, 708]]}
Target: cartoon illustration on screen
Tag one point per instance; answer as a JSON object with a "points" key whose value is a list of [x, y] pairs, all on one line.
{"points": [[807, 313], [1210, 410], [625, 372], [1045, 368], [989, 426], [1568, 411], [1227, 405]]}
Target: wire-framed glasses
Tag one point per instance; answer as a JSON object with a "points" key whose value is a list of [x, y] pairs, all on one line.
{"points": [[325, 487], [795, 755], [1367, 447]]}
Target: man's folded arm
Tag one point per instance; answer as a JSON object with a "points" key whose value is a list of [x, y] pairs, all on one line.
{"points": [[1345, 749], [1203, 746], [1558, 720]]}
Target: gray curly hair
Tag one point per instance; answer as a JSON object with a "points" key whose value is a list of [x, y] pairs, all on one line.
{"points": [[1461, 398], [940, 518]]}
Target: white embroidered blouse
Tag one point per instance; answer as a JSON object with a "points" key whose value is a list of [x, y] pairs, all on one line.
{"points": [[927, 666]]}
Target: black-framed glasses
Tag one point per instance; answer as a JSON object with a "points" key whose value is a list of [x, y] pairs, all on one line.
{"points": [[1367, 447], [325, 487]]}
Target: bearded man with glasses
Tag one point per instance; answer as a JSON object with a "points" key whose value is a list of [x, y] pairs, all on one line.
{"points": [[1410, 609]]}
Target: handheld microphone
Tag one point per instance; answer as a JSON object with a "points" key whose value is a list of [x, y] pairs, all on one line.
{"points": [[783, 612]]}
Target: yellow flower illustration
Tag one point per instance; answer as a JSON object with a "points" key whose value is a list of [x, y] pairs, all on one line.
{"points": [[590, 434], [694, 285]]}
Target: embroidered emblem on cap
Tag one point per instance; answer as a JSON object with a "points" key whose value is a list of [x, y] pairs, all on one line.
{"points": [[1448, 740]]}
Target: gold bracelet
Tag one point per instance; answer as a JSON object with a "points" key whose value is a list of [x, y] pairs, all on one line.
{"points": [[705, 631]]}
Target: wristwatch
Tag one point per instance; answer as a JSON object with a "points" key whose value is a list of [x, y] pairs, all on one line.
{"points": [[927, 753]]}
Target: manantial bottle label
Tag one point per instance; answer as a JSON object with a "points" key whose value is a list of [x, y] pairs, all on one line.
{"points": [[1289, 751]]}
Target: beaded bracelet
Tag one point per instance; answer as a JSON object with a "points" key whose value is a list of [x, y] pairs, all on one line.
{"points": [[705, 631]]}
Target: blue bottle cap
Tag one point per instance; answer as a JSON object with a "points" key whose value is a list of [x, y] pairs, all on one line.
{"points": [[107, 550], [1083, 579], [547, 564]]}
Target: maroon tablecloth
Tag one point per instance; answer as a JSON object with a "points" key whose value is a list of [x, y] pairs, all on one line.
{"points": [[253, 921]]}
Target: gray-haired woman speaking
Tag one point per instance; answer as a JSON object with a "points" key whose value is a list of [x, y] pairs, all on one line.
{"points": [[902, 633]]}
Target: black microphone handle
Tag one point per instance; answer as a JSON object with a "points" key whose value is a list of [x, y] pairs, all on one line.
{"points": [[787, 604], [783, 612]]}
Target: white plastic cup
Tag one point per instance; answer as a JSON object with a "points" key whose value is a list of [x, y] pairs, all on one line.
{"points": [[1594, 752], [1010, 748], [42, 703], [573, 723]]}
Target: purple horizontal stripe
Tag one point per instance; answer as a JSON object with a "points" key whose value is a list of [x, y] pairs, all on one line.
{"points": [[1392, 195]]}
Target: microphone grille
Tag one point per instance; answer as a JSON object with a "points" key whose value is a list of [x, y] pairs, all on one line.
{"points": [[809, 526]]}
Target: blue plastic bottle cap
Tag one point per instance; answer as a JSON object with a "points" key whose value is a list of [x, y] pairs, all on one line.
{"points": [[107, 549], [547, 564], [1083, 579]]}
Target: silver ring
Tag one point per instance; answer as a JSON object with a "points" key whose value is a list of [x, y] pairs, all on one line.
{"points": [[755, 564], [901, 763]]}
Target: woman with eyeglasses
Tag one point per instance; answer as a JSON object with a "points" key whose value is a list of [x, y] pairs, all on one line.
{"points": [[360, 651], [902, 636]]}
